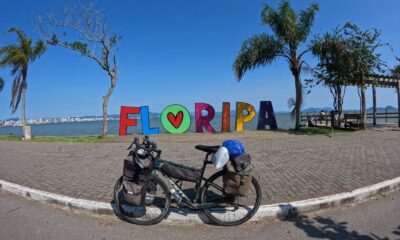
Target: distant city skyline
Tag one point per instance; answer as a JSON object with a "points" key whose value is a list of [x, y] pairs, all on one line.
{"points": [[181, 52]]}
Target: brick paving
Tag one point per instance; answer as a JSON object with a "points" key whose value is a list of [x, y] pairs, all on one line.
{"points": [[289, 167]]}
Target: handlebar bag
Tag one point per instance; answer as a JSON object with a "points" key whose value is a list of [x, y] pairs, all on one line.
{"points": [[237, 183], [180, 173]]}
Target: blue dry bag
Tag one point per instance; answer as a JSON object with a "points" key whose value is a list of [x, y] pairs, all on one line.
{"points": [[235, 147]]}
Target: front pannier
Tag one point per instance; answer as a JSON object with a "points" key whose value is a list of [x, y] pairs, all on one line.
{"points": [[133, 193], [180, 173], [237, 183], [138, 188]]}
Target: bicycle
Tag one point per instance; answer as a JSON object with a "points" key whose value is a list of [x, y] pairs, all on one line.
{"points": [[220, 208]]}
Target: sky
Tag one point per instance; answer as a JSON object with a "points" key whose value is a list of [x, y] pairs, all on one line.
{"points": [[181, 52]]}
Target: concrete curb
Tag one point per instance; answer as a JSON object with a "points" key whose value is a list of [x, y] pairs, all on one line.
{"points": [[278, 210]]}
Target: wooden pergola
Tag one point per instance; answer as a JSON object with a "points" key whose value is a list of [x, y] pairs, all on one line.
{"points": [[384, 82]]}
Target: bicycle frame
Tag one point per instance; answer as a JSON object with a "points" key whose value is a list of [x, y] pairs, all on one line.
{"points": [[191, 203]]}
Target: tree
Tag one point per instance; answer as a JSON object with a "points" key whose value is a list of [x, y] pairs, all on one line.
{"points": [[91, 37], [363, 60], [290, 29], [19, 56], [332, 69], [396, 70]]}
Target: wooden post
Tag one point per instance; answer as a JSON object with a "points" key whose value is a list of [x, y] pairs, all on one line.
{"points": [[386, 114], [374, 103]]}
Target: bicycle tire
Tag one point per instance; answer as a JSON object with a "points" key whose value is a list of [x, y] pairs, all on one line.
{"points": [[207, 211], [136, 220]]}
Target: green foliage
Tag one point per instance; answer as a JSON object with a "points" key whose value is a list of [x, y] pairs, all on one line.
{"points": [[290, 29], [347, 55], [363, 58], [331, 51], [78, 46], [18, 56], [396, 70], [256, 51], [67, 139]]}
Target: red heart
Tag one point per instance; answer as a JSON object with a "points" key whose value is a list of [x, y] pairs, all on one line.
{"points": [[175, 120]]}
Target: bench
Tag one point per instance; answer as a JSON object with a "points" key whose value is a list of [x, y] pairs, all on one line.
{"points": [[352, 120]]}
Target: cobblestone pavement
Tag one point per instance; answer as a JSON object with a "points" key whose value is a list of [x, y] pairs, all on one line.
{"points": [[289, 167]]}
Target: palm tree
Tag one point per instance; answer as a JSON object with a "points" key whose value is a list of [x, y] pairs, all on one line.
{"points": [[290, 30], [18, 56]]}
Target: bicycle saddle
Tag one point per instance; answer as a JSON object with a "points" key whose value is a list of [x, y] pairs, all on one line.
{"points": [[207, 149]]}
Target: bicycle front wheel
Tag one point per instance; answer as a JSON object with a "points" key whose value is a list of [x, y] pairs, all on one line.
{"points": [[152, 212], [231, 210]]}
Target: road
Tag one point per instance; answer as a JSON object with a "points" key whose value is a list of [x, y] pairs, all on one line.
{"points": [[21, 218]]}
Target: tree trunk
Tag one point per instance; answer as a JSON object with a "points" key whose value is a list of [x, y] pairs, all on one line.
{"points": [[339, 100], [23, 112], [363, 120], [299, 97], [105, 104]]}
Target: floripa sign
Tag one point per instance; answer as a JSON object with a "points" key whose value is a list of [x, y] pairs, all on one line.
{"points": [[176, 118]]}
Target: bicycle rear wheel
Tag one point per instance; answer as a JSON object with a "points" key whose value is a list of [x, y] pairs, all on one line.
{"points": [[150, 213], [230, 210]]}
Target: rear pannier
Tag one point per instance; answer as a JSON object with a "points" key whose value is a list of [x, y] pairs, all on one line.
{"points": [[180, 173], [237, 176]]}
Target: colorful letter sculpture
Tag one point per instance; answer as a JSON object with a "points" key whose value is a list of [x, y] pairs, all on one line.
{"points": [[240, 118], [266, 109], [175, 119], [204, 121], [144, 115], [226, 117], [124, 121]]}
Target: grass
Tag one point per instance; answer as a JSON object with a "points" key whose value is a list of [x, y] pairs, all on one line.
{"points": [[113, 138], [318, 131], [68, 139]]}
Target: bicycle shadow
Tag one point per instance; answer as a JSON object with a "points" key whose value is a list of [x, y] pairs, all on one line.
{"points": [[326, 227]]}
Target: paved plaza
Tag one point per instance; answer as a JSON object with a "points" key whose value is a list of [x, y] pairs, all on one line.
{"points": [[289, 167]]}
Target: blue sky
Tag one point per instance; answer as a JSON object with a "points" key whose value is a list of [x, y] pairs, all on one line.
{"points": [[180, 52]]}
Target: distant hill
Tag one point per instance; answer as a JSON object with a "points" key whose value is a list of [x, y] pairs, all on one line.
{"points": [[383, 109]]}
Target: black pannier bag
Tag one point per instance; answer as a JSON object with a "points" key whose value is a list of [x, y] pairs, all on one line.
{"points": [[138, 188], [237, 183], [180, 173], [133, 192]]}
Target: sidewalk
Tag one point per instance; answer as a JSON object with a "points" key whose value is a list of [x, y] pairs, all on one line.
{"points": [[289, 167]]}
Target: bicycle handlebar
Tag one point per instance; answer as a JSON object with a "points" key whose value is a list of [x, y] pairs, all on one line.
{"points": [[146, 145]]}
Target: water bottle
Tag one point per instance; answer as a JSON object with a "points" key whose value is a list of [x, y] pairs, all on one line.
{"points": [[175, 195]]}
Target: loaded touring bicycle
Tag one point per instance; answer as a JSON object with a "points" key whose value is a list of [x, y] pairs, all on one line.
{"points": [[150, 186]]}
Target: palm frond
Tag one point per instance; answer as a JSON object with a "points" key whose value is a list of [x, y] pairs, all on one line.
{"points": [[38, 49], [257, 51], [16, 91], [306, 21], [24, 41], [292, 105], [282, 21]]}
